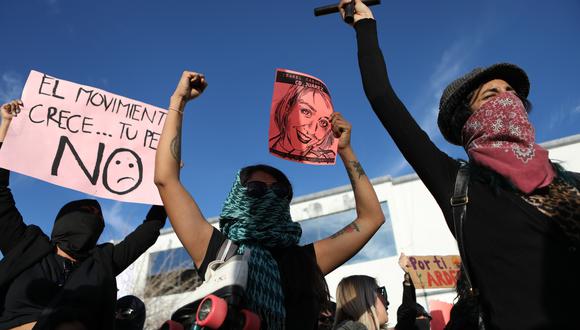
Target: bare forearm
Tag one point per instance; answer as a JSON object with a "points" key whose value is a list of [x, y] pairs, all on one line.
{"points": [[367, 203], [168, 157], [338, 248], [184, 214], [187, 221], [333, 251], [4, 129]]}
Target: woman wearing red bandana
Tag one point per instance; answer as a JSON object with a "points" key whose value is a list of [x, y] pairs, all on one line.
{"points": [[522, 228]]}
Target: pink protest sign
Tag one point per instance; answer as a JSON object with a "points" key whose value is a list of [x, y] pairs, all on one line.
{"points": [[300, 128], [85, 138]]}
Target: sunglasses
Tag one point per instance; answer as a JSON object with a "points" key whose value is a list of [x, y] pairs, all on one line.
{"points": [[382, 293], [259, 189]]}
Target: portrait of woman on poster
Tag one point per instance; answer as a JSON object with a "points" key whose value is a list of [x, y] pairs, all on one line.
{"points": [[302, 119]]}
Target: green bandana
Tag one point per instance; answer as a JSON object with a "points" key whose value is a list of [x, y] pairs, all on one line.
{"points": [[259, 223]]}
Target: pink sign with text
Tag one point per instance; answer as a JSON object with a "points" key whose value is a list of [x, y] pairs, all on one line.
{"points": [[300, 128], [85, 138]]}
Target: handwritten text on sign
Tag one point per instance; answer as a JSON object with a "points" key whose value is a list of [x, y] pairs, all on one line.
{"points": [[432, 272], [86, 139]]}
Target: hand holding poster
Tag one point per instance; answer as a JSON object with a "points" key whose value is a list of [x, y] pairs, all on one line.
{"points": [[300, 128], [86, 139], [433, 272]]}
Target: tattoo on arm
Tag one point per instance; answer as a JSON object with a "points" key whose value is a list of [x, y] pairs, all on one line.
{"points": [[351, 228], [176, 145], [357, 169]]}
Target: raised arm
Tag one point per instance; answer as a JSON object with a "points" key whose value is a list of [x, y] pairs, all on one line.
{"points": [[189, 224], [409, 295], [434, 167], [407, 311], [335, 250], [9, 111], [137, 242], [12, 226]]}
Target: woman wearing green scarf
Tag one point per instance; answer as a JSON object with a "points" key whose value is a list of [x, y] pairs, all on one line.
{"points": [[286, 284]]}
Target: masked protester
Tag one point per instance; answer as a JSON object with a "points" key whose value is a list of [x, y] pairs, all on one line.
{"points": [[130, 313], [67, 280], [522, 214], [410, 315], [286, 286]]}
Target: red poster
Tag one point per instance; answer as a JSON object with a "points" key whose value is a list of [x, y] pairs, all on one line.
{"points": [[300, 128]]}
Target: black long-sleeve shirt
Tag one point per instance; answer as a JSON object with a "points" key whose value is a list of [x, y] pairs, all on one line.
{"points": [[526, 273], [32, 286], [12, 229], [407, 312]]}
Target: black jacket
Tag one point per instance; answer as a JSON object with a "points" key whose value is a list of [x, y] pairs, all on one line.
{"points": [[90, 291]]}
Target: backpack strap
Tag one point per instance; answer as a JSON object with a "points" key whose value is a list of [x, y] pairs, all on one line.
{"points": [[227, 250], [459, 202]]}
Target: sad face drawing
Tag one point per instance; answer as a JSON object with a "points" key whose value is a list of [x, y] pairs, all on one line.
{"points": [[123, 172], [302, 123]]}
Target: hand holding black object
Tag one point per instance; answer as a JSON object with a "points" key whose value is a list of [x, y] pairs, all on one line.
{"points": [[355, 9], [349, 17]]}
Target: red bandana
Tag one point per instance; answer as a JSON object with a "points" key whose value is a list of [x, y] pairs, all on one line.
{"points": [[500, 136]]}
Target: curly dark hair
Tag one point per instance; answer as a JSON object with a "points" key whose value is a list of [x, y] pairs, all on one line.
{"points": [[464, 314]]}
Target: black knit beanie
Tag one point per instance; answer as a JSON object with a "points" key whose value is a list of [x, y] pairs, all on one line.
{"points": [[450, 120]]}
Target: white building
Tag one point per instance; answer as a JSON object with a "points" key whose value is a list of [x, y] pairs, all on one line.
{"points": [[414, 225]]}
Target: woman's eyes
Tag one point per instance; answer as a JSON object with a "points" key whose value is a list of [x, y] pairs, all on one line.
{"points": [[306, 112], [322, 122], [494, 92]]}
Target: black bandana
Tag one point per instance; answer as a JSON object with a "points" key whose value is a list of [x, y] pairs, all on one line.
{"points": [[77, 227]]}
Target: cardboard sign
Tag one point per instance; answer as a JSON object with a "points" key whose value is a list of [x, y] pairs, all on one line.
{"points": [[434, 272], [86, 139], [300, 128]]}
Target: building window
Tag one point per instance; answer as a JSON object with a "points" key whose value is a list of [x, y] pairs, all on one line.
{"points": [[381, 245], [171, 271]]}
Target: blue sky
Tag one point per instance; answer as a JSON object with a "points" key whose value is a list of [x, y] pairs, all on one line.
{"points": [[139, 48]]}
